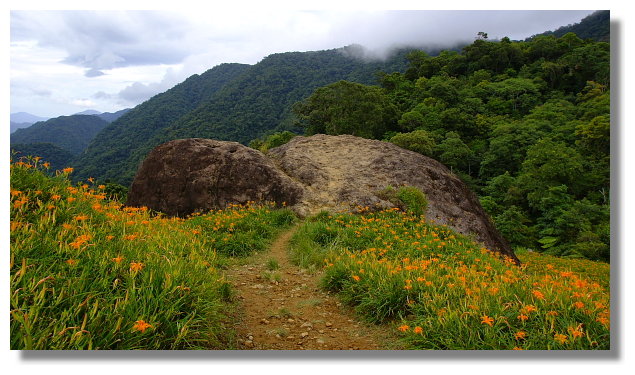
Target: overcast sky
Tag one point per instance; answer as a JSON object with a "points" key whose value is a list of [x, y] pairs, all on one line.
{"points": [[64, 62]]}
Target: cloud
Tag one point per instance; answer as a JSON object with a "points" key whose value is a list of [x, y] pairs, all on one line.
{"points": [[100, 95], [83, 102], [105, 40], [94, 73]]}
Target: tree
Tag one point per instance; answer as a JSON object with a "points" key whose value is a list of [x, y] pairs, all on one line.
{"points": [[549, 164], [454, 153], [347, 108], [418, 141]]}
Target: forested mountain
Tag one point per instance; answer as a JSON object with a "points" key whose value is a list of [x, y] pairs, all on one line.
{"points": [[595, 26], [526, 124], [229, 102], [71, 133]]}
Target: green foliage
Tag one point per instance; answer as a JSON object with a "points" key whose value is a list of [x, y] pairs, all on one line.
{"points": [[274, 140], [418, 141], [116, 192], [347, 108], [408, 198]]}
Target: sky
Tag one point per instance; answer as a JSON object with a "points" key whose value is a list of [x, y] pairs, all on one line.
{"points": [[64, 61]]}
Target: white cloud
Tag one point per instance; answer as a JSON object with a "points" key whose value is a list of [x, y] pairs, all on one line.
{"points": [[83, 102]]}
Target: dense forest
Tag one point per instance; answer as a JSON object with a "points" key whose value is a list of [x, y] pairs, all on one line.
{"points": [[525, 124], [234, 102]]}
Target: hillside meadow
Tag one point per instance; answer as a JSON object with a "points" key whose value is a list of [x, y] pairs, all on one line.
{"points": [[89, 273]]}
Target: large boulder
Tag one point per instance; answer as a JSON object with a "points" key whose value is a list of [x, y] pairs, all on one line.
{"points": [[343, 172], [310, 174], [190, 175]]}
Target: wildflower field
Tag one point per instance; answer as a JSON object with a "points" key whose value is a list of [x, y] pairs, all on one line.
{"points": [[440, 290], [87, 273]]}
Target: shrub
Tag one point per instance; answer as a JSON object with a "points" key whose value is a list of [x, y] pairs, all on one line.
{"points": [[407, 198]]}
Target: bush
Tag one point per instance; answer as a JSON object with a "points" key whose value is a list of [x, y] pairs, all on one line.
{"points": [[272, 141], [418, 141], [407, 198]]}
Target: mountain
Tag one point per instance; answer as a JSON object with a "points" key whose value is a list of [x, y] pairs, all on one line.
{"points": [[112, 116], [19, 125], [21, 120], [595, 26], [22, 117], [229, 102], [88, 112], [71, 133]]}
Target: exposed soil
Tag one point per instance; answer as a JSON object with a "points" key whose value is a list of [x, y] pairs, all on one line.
{"points": [[285, 309]]}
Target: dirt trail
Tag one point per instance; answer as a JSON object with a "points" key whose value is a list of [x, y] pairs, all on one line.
{"points": [[285, 309]]}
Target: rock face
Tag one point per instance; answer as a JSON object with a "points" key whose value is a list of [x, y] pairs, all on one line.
{"points": [[189, 175], [310, 174], [341, 172]]}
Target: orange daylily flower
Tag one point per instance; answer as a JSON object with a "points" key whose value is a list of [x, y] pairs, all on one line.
{"points": [[141, 326], [136, 266], [487, 320]]}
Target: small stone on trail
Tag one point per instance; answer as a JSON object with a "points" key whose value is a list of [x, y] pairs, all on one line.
{"points": [[329, 324], [249, 344], [290, 320], [304, 334]]}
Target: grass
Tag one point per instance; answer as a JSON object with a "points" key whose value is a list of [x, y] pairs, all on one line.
{"points": [[441, 290], [272, 264], [272, 276], [87, 273]]}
